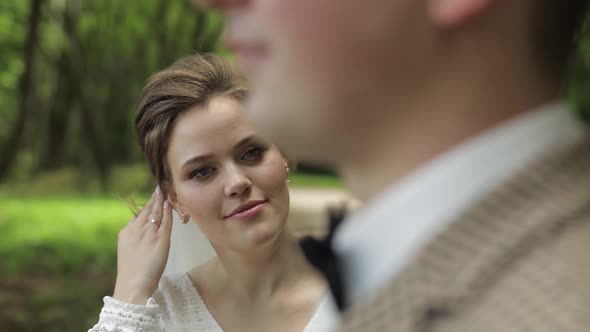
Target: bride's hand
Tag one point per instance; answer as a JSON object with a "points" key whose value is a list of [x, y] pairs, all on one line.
{"points": [[142, 252]]}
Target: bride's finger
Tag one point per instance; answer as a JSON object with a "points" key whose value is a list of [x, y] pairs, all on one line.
{"points": [[155, 216], [144, 212], [166, 225]]}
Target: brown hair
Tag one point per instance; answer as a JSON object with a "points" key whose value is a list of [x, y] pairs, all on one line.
{"points": [[189, 82], [557, 27]]}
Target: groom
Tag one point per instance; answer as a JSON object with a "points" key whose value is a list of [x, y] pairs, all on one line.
{"points": [[447, 118]]}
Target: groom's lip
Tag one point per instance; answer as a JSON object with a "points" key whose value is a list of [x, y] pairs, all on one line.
{"points": [[250, 52]]}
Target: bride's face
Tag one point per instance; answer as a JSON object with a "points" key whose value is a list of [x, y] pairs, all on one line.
{"points": [[228, 180]]}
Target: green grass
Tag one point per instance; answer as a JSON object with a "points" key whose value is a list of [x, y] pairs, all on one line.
{"points": [[58, 260], [51, 219], [67, 232], [315, 181]]}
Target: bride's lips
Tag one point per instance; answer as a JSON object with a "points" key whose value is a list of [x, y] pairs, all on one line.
{"points": [[247, 210]]}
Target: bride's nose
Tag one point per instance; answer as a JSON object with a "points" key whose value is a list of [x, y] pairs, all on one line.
{"points": [[237, 183]]}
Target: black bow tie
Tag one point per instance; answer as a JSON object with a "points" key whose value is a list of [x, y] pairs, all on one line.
{"points": [[319, 253]]}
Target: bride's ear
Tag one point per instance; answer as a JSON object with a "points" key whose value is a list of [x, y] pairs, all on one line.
{"points": [[176, 205], [290, 163], [171, 195]]}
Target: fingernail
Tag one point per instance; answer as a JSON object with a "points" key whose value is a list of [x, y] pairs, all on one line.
{"points": [[166, 204], [157, 189]]}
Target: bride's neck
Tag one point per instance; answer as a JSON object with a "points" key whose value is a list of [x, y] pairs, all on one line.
{"points": [[261, 273]]}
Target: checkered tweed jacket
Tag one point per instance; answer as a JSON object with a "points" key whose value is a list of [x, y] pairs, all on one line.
{"points": [[518, 260]]}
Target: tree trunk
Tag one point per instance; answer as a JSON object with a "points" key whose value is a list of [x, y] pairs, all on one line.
{"points": [[54, 152], [161, 15], [91, 123], [12, 145]]}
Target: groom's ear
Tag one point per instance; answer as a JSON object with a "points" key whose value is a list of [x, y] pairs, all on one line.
{"points": [[452, 13]]}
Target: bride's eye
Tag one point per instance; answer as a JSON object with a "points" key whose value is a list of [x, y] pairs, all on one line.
{"points": [[202, 173], [253, 154]]}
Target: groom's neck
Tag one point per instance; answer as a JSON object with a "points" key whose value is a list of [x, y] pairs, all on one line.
{"points": [[450, 110]]}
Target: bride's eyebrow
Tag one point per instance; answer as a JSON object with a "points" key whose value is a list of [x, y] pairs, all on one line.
{"points": [[252, 139], [196, 159]]}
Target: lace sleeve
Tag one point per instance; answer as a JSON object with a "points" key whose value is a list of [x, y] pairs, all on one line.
{"points": [[119, 316]]}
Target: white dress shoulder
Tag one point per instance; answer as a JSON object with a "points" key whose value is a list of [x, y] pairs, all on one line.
{"points": [[176, 306]]}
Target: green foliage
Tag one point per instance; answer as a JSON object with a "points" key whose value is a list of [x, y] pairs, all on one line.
{"points": [[124, 181], [58, 260], [12, 34], [579, 86], [300, 179], [128, 180], [93, 59], [69, 232]]}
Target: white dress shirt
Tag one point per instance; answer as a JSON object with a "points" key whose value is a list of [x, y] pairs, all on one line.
{"points": [[379, 240]]}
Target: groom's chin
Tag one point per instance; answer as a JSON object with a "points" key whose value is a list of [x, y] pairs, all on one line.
{"points": [[288, 118]]}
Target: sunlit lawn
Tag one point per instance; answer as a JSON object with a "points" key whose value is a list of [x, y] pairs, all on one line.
{"points": [[57, 260], [74, 229]]}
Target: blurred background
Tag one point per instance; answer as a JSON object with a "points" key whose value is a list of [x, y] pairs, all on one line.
{"points": [[71, 72], [70, 76]]}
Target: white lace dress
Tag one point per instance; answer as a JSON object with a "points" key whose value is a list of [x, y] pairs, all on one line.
{"points": [[177, 306]]}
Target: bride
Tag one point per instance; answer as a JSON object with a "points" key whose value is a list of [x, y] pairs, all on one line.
{"points": [[229, 188]]}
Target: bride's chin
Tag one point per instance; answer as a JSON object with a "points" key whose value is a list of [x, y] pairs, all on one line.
{"points": [[265, 234]]}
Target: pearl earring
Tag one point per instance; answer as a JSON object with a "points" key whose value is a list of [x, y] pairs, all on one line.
{"points": [[184, 218], [288, 170]]}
